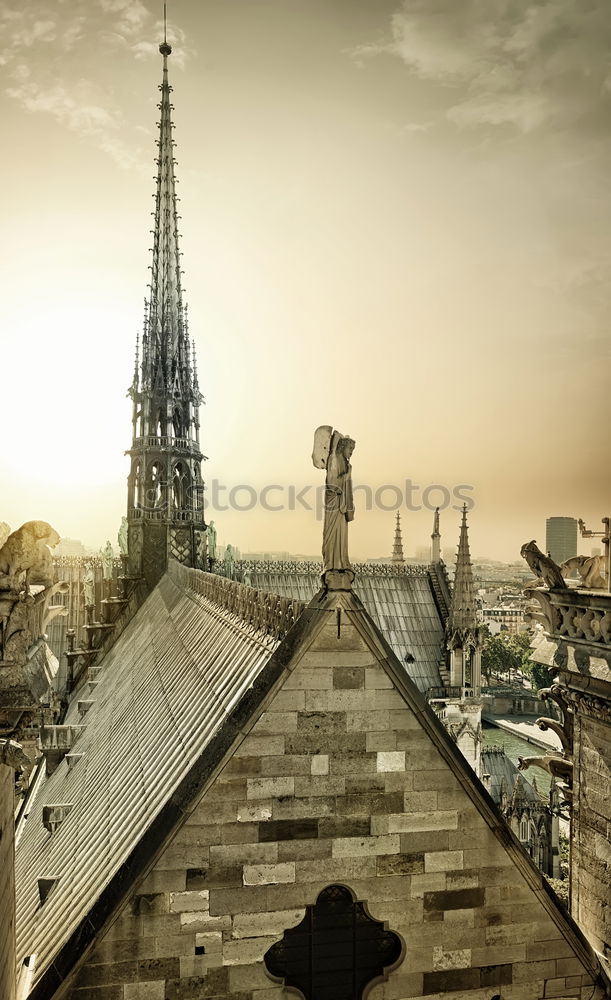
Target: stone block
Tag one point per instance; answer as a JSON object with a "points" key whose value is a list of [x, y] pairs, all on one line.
{"points": [[249, 899], [418, 821], [246, 951], [454, 899], [443, 861], [158, 968], [255, 813], [383, 740], [496, 975], [210, 941], [344, 826], [174, 945], [375, 677], [276, 723], [390, 760], [432, 840], [529, 972], [288, 829], [443, 960], [399, 864], [164, 881], [326, 871], [303, 850], [268, 788], [365, 846], [261, 746], [236, 833], [345, 764], [291, 700], [194, 922], [388, 698], [153, 990], [421, 884], [348, 676], [114, 992], [440, 781], [336, 701], [196, 899], [323, 784], [256, 853], [269, 874], [277, 767], [247, 925], [245, 978], [107, 975], [310, 679], [414, 802], [450, 981], [558, 948], [250, 766], [319, 764], [213, 984], [291, 808], [199, 965], [368, 720]]}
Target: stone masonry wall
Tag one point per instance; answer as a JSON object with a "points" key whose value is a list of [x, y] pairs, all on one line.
{"points": [[336, 782], [7, 882], [591, 847]]}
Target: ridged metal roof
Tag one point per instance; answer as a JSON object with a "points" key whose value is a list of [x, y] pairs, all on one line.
{"points": [[399, 599], [162, 693]]}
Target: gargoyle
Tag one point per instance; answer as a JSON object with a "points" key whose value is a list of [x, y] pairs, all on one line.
{"points": [[544, 568], [13, 755], [556, 728], [27, 551], [591, 569], [558, 767]]}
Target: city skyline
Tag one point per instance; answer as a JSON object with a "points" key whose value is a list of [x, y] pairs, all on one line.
{"points": [[313, 270]]}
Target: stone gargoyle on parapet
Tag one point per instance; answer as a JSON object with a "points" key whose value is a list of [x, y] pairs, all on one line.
{"points": [[545, 569], [25, 557]]}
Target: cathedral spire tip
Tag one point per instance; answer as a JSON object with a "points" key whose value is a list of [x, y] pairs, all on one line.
{"points": [[165, 48]]}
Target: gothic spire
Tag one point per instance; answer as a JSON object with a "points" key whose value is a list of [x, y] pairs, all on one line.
{"points": [[166, 361], [397, 549], [436, 539], [463, 613]]}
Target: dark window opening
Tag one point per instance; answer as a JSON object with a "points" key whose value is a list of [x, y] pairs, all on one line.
{"points": [[336, 951], [200, 949]]}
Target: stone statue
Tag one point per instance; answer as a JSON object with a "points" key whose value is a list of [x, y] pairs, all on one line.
{"points": [[28, 550], [211, 532], [544, 568], [228, 562], [591, 569], [247, 578], [332, 451], [107, 561], [89, 587], [122, 537]]}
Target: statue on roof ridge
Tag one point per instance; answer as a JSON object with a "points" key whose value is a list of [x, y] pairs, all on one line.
{"points": [[332, 451]]}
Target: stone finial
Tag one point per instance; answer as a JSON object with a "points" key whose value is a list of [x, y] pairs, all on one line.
{"points": [[332, 451], [545, 569], [27, 552]]}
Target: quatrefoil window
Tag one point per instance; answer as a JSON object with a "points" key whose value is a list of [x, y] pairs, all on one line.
{"points": [[336, 951]]}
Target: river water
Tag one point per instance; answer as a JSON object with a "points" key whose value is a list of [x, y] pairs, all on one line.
{"points": [[516, 747]]}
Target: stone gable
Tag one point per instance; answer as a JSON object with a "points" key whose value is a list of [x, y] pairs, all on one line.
{"points": [[344, 778]]}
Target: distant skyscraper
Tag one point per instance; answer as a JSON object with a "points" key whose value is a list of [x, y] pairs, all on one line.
{"points": [[561, 538]]}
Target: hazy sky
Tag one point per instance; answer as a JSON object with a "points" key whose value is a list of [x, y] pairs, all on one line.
{"points": [[396, 219]]}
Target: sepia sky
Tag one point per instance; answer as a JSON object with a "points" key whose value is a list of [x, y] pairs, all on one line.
{"points": [[396, 218]]}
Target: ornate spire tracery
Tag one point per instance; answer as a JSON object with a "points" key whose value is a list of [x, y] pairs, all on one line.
{"points": [[165, 487], [463, 610]]}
